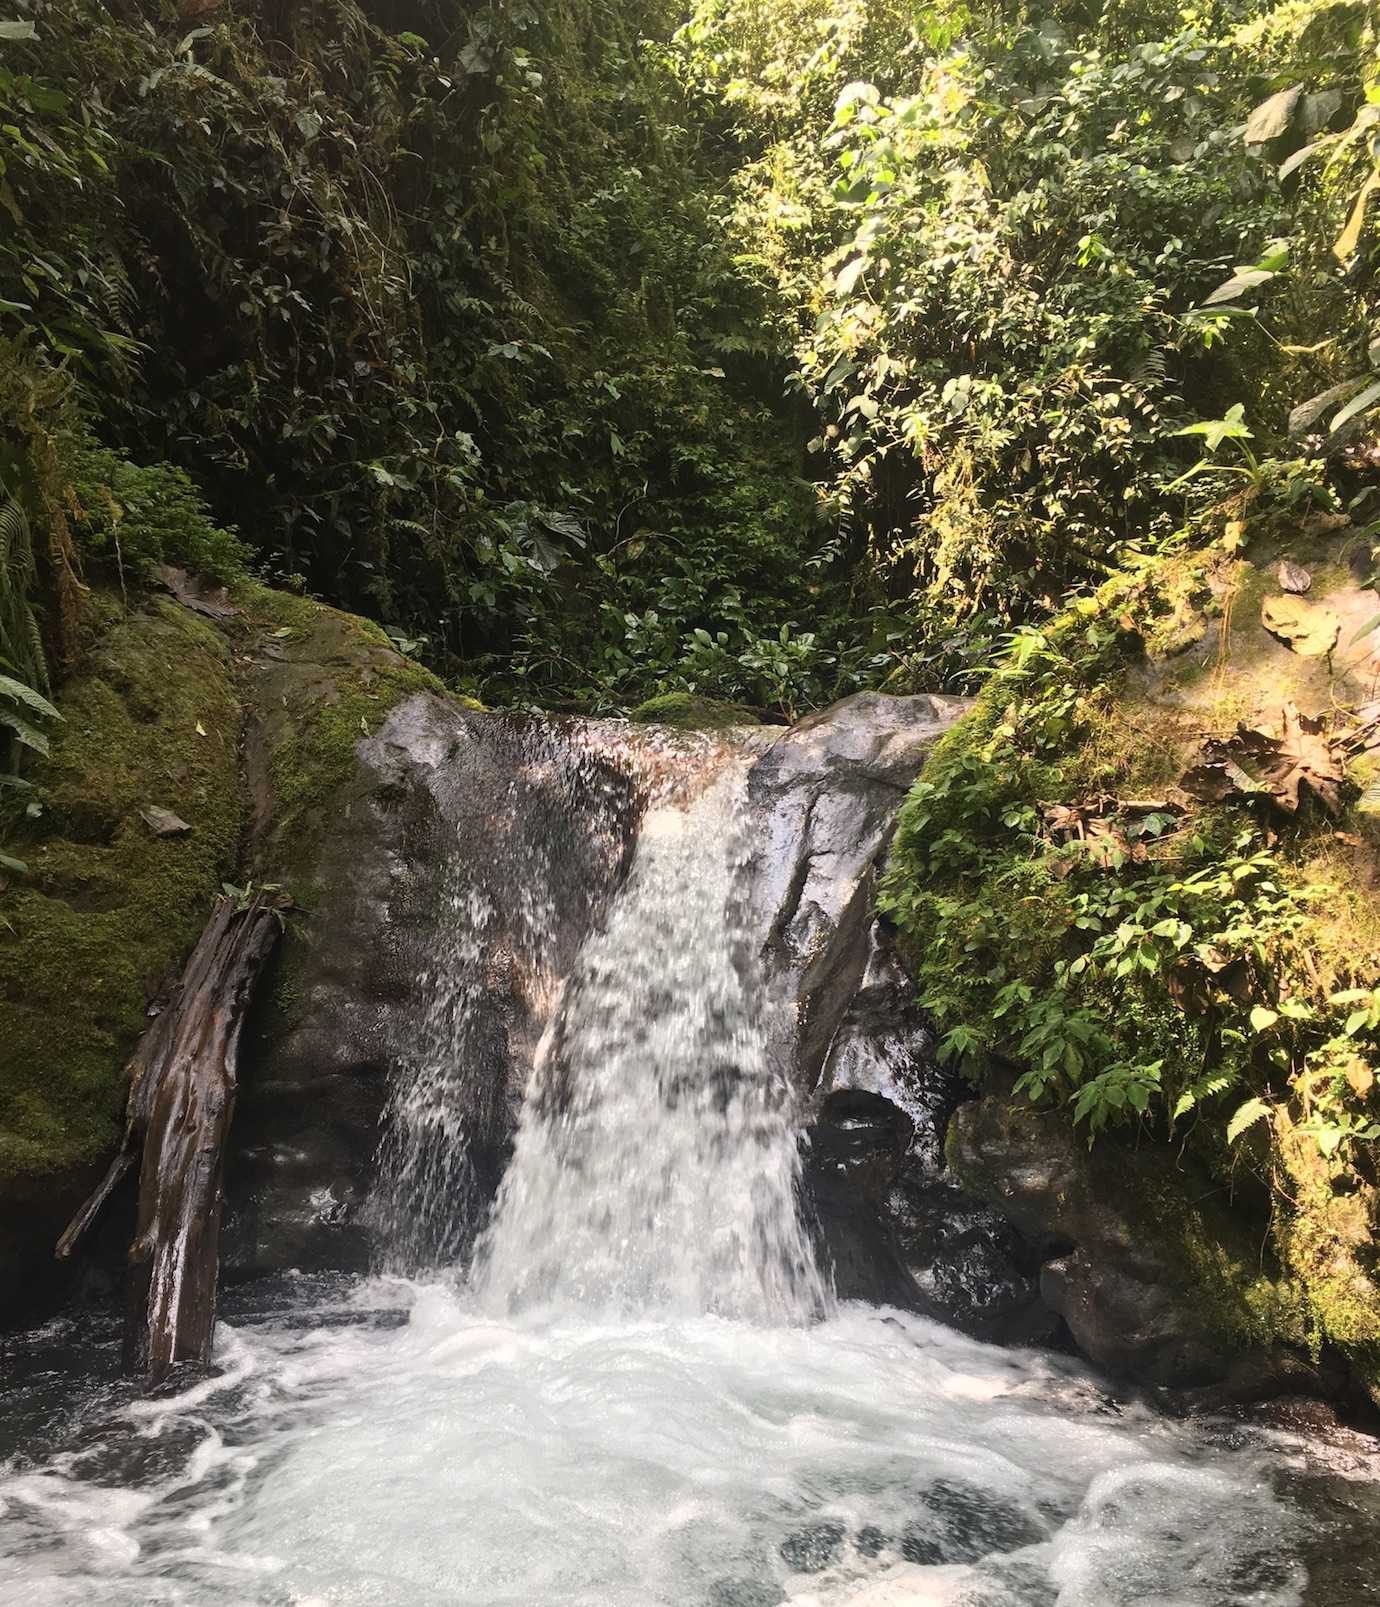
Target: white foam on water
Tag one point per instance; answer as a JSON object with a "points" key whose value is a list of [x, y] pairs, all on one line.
{"points": [[874, 1458]]}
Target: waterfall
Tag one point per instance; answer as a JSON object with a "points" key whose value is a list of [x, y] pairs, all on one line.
{"points": [[656, 1163], [607, 1389]]}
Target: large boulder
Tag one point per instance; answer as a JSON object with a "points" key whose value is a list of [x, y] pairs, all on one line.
{"points": [[1152, 1267]]}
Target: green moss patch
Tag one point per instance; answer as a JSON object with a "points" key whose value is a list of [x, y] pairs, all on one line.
{"points": [[319, 682], [685, 711], [107, 909]]}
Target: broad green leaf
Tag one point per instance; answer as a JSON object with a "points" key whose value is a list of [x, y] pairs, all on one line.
{"points": [[1357, 404], [18, 31], [1262, 1019], [10, 863], [848, 276], [1246, 1116], [1344, 247], [1307, 414], [20, 693], [28, 734], [1231, 427], [1242, 280], [1293, 163], [1272, 117]]}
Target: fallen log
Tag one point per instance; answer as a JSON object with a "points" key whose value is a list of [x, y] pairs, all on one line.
{"points": [[181, 1101]]}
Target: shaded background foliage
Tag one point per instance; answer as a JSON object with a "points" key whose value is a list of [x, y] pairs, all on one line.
{"points": [[446, 325], [763, 349]]}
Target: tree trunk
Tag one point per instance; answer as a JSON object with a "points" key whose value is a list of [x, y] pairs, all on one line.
{"points": [[181, 1101]]}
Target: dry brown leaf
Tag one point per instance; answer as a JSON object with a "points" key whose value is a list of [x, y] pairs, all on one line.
{"points": [[1293, 577], [1256, 763]]}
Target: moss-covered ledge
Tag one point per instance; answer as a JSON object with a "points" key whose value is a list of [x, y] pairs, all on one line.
{"points": [[316, 683], [96, 928], [688, 711], [245, 730], [1186, 980]]}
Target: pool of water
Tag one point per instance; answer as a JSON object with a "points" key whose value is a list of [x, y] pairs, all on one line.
{"points": [[391, 1443]]}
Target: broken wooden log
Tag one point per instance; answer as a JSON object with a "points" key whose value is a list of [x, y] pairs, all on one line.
{"points": [[181, 1101]]}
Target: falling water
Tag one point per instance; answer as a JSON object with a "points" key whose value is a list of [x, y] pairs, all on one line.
{"points": [[656, 1166]]}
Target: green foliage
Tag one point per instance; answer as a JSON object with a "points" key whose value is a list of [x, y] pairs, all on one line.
{"points": [[21, 645], [1163, 971], [108, 909], [992, 250], [461, 342], [130, 519]]}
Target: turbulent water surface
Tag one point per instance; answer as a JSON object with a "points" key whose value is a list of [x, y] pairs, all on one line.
{"points": [[634, 1388]]}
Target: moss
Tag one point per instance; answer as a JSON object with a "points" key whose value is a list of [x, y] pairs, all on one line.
{"points": [[329, 681], [108, 909], [686, 711], [987, 905]]}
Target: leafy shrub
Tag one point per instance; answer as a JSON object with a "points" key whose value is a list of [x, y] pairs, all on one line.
{"points": [[1163, 967], [130, 519]]}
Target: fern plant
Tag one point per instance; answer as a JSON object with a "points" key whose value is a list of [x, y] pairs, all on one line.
{"points": [[21, 645], [24, 710]]}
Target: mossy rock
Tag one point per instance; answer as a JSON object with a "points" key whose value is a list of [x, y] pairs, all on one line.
{"points": [[1159, 1274], [321, 681], [98, 925], [1259, 1259], [687, 711]]}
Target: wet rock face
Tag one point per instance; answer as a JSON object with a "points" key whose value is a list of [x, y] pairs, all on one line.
{"points": [[451, 812], [1118, 1237], [824, 797], [471, 856]]}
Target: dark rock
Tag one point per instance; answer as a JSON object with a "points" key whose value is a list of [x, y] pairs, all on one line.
{"points": [[1157, 1276], [975, 1523], [863, 1136], [963, 1524], [883, 1043], [454, 823], [811, 1550], [972, 1268], [824, 797]]}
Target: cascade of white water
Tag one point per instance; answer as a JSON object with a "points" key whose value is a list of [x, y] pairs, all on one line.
{"points": [[656, 1164]]}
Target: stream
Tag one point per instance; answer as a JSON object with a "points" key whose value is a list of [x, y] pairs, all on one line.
{"points": [[633, 1385]]}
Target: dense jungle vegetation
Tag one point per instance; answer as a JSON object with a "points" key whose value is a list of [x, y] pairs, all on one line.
{"points": [[767, 350]]}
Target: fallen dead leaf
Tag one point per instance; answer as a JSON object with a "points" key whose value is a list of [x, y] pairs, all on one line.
{"points": [[1311, 629], [1280, 766], [162, 822], [1293, 577]]}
